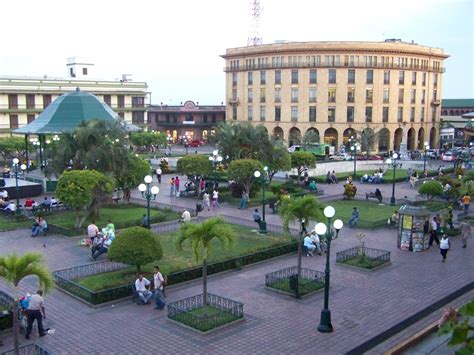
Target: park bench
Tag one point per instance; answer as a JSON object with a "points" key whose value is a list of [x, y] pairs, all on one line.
{"points": [[373, 195]]}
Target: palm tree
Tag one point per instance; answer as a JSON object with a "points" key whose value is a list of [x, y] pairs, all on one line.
{"points": [[301, 210], [200, 237], [13, 269]]}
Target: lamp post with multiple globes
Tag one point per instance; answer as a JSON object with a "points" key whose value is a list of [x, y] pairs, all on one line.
{"points": [[148, 192]]}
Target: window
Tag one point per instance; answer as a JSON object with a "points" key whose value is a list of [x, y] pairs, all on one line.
{"points": [[332, 76], [312, 114], [277, 76], [138, 117], [401, 77], [423, 79], [121, 115], [386, 77], [262, 113], [385, 114], [107, 100], [262, 94], [368, 114], [277, 94], [138, 101], [12, 101], [250, 112], [401, 92], [413, 78], [30, 118], [30, 101], [277, 113], [234, 112], [313, 78], [400, 114], [413, 96], [234, 79], [189, 117], [168, 119], [435, 79], [294, 94], [204, 118], [350, 94], [331, 114], [249, 95], [386, 95], [350, 113], [370, 77], [46, 100], [263, 77], [435, 95], [312, 94], [249, 78], [422, 114], [433, 114], [351, 76], [294, 76], [120, 101], [294, 113], [84, 71], [412, 114], [332, 95], [14, 121], [234, 94], [369, 95]]}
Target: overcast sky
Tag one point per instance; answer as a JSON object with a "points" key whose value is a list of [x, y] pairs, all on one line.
{"points": [[175, 45]]}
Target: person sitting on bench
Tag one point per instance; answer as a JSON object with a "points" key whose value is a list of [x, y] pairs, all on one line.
{"points": [[378, 194], [40, 226], [312, 186], [257, 218]]}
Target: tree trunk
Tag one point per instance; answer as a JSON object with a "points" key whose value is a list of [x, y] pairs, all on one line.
{"points": [[16, 340], [204, 285], [300, 249]]}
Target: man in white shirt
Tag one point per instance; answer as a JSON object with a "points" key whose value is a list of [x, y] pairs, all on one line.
{"points": [[159, 281], [92, 231], [158, 174], [36, 312], [186, 216], [140, 286], [434, 232], [4, 194], [11, 207], [308, 244], [315, 239]]}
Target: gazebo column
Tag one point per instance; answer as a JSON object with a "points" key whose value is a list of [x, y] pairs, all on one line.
{"points": [[26, 150], [40, 137]]}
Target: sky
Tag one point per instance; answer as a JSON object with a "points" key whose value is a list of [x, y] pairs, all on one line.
{"points": [[175, 45]]}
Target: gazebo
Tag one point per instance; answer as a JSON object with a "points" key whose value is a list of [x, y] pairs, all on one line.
{"points": [[65, 113]]}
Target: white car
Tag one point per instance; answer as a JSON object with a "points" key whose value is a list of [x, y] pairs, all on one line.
{"points": [[340, 156], [294, 148], [448, 156]]}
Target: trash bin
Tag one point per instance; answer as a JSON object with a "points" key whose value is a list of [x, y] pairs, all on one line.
{"points": [[294, 282], [199, 207]]}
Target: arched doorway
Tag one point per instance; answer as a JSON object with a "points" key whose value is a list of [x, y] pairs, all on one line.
{"points": [[384, 140], [278, 133], [330, 137], [421, 139], [411, 139], [311, 136], [294, 136], [433, 137], [397, 139], [367, 140], [347, 134]]}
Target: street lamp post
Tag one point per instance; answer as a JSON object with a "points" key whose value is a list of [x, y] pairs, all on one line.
{"points": [[215, 158], [424, 160], [322, 229], [16, 162], [148, 193], [354, 155], [393, 163], [258, 175]]}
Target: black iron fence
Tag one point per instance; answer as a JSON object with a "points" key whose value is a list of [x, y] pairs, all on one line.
{"points": [[376, 256], [30, 349], [6, 318], [215, 312], [286, 280]]}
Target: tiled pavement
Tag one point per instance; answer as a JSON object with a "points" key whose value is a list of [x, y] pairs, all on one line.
{"points": [[363, 304]]}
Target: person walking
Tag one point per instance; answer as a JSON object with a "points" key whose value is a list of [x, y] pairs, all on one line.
{"points": [[434, 232], [449, 217], [172, 187], [36, 312], [215, 199], [444, 247], [354, 218], [159, 283], [244, 200], [158, 174], [206, 200], [176, 181], [466, 201], [465, 231]]}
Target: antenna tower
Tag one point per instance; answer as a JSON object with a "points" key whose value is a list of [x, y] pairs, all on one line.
{"points": [[255, 11]]}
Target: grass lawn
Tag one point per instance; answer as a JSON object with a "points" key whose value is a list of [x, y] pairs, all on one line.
{"points": [[121, 215], [7, 224], [388, 176], [370, 211], [305, 286], [363, 262], [196, 318], [246, 242]]}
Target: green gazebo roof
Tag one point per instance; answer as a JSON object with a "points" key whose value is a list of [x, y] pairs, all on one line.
{"points": [[66, 112]]}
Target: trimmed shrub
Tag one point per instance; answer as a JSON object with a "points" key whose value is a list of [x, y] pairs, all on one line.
{"points": [[431, 189]]}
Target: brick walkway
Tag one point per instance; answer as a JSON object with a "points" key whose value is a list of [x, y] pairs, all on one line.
{"points": [[363, 304]]}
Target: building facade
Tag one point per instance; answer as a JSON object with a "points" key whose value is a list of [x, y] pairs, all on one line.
{"points": [[453, 125], [337, 89], [189, 121], [22, 99]]}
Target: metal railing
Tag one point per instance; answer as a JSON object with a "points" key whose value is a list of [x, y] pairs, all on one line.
{"points": [[286, 280], [377, 256], [224, 311], [30, 349], [89, 269]]}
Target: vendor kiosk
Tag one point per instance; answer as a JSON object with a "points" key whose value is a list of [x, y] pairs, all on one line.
{"points": [[414, 228]]}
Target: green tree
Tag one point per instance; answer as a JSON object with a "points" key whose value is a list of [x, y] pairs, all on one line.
{"points": [[201, 237], [130, 173], [241, 171], [135, 246], [276, 158], [462, 333], [194, 167], [13, 269], [302, 160], [311, 136], [84, 191], [148, 140], [431, 189], [302, 210], [367, 140], [13, 147]]}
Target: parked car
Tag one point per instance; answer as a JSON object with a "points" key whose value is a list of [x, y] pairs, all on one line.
{"points": [[375, 157], [294, 148], [196, 143], [432, 153], [340, 156], [448, 156]]}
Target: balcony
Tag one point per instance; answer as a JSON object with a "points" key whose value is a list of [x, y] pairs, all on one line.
{"points": [[435, 102], [234, 101]]}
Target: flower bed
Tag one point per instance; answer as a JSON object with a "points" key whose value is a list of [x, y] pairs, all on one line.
{"points": [[362, 257], [217, 312], [286, 281]]}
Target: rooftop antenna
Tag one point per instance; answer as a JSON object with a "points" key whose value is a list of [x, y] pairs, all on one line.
{"points": [[255, 11]]}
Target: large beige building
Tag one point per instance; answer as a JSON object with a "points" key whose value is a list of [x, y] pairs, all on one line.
{"points": [[338, 89], [22, 99]]}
